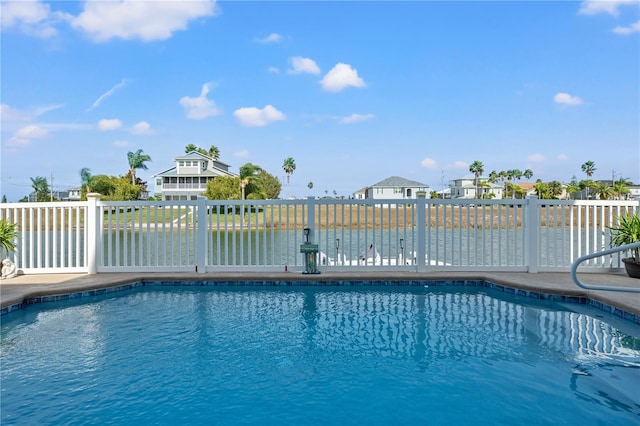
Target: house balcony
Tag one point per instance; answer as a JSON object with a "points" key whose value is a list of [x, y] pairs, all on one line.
{"points": [[199, 186]]}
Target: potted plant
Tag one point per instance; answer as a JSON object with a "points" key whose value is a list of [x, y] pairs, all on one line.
{"points": [[8, 234], [628, 232]]}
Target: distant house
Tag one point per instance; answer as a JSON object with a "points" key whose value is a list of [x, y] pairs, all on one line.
{"points": [[394, 188], [634, 192], [465, 187], [360, 194], [189, 177]]}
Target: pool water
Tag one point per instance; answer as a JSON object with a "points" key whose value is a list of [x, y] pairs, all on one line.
{"points": [[317, 355]]}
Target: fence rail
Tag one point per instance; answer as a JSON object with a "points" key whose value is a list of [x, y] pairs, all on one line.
{"points": [[414, 235]]}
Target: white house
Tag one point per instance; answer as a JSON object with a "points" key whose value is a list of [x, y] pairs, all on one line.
{"points": [[189, 177], [394, 188], [465, 187]]}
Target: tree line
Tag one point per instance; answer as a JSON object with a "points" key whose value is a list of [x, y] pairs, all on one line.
{"points": [[585, 188]]}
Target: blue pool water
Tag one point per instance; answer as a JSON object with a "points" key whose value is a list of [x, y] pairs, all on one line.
{"points": [[317, 355]]}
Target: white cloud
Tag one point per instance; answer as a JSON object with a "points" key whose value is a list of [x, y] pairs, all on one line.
{"points": [[243, 153], [134, 19], [633, 28], [303, 65], [32, 132], [255, 117], [460, 165], [567, 99], [200, 107], [24, 135], [106, 125], [429, 163], [121, 144], [536, 158], [31, 17], [562, 157], [10, 115], [592, 7], [273, 70], [141, 128], [340, 77], [271, 38], [355, 118], [108, 93]]}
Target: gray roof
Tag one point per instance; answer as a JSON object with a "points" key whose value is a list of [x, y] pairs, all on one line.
{"points": [[195, 155], [398, 182]]}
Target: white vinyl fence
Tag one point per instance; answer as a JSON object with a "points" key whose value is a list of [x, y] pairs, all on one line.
{"points": [[527, 235]]}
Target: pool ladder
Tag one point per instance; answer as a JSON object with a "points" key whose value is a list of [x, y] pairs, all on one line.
{"points": [[578, 261]]}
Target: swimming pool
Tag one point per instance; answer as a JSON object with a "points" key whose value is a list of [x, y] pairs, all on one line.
{"points": [[317, 355]]}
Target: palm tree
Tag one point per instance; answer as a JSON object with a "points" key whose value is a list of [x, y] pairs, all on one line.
{"points": [[620, 188], [477, 168], [588, 168], [528, 173], [85, 178], [555, 189], [40, 187], [136, 161], [289, 166], [248, 174], [214, 152], [190, 147]]}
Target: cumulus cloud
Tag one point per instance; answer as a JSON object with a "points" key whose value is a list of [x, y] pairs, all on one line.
{"points": [[536, 158], [429, 163], [31, 17], [340, 77], [593, 7], [460, 165], [200, 107], [567, 99], [10, 115], [271, 38], [32, 132], [109, 124], [633, 28], [141, 128], [273, 70], [562, 157], [121, 144], [303, 65], [355, 118], [25, 134], [134, 19], [255, 117]]}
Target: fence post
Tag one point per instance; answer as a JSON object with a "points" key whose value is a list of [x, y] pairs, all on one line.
{"points": [[93, 227], [532, 233], [201, 236], [311, 217], [421, 232]]}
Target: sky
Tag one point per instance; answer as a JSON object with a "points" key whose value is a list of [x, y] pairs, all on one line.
{"points": [[355, 92]]}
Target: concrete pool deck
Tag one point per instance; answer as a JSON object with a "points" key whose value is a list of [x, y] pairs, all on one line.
{"points": [[23, 288]]}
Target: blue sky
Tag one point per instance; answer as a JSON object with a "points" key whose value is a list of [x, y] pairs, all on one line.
{"points": [[355, 92]]}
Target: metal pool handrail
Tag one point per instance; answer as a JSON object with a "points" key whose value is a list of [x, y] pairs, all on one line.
{"points": [[578, 261]]}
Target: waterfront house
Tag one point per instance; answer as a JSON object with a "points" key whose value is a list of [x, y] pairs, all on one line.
{"points": [[394, 188], [189, 177], [465, 187]]}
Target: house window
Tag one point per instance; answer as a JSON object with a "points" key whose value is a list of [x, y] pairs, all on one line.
{"points": [[181, 163], [409, 193], [159, 181]]}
